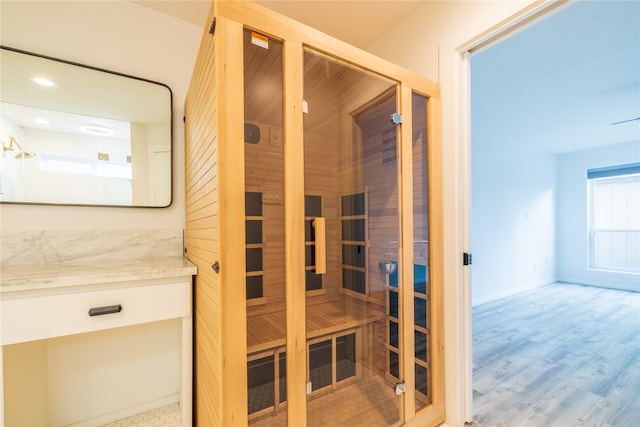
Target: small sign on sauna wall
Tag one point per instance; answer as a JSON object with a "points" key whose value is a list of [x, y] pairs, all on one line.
{"points": [[389, 147]]}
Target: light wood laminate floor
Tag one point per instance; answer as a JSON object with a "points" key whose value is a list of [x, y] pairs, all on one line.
{"points": [[560, 355]]}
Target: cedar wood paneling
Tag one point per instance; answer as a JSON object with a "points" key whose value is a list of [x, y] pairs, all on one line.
{"points": [[201, 235]]}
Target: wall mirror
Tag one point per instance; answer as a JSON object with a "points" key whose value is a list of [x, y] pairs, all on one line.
{"points": [[77, 135]]}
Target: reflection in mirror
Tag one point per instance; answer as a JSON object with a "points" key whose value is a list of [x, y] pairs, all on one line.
{"points": [[78, 135]]}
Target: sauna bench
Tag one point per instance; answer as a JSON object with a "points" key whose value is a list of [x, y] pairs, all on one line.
{"points": [[268, 331], [327, 323], [43, 302]]}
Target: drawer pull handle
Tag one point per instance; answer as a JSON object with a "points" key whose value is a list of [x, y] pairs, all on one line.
{"points": [[108, 309]]}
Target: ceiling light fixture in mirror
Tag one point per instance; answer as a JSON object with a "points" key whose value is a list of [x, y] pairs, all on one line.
{"points": [[78, 135]]}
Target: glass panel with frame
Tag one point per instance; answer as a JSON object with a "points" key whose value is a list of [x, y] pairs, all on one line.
{"points": [[351, 159], [421, 305], [264, 226], [77, 135]]}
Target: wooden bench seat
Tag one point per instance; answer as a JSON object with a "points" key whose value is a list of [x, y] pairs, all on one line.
{"points": [[268, 331]]}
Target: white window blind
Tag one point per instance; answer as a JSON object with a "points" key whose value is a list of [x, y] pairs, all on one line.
{"points": [[614, 218]]}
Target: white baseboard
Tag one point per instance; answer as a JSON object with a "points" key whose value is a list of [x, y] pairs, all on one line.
{"points": [[511, 292], [128, 412], [635, 287]]}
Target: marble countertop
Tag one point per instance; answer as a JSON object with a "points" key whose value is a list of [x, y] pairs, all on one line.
{"points": [[21, 278]]}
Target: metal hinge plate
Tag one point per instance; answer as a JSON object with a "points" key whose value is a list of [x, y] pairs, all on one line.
{"points": [[212, 28], [466, 259]]}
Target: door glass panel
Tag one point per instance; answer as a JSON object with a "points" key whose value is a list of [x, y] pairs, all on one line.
{"points": [[352, 325], [264, 210], [320, 364], [421, 301], [261, 380], [345, 357]]}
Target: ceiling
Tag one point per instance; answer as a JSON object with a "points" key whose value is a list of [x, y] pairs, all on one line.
{"points": [[358, 22], [561, 83], [80, 100]]}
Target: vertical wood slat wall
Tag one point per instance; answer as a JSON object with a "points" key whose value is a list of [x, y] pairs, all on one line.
{"points": [[215, 212], [201, 229], [214, 219]]}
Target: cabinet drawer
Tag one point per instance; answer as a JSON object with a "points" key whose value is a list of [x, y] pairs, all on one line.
{"points": [[47, 316]]}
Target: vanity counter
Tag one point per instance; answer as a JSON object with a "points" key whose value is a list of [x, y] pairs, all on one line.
{"points": [[22, 278], [124, 324]]}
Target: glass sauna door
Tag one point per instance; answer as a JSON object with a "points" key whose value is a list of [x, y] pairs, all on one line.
{"points": [[352, 225], [264, 227]]}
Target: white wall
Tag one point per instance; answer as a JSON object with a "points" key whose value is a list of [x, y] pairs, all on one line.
{"points": [[572, 215], [120, 36], [513, 192], [513, 220], [124, 37]]}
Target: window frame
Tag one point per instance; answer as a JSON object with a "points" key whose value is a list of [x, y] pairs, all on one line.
{"points": [[627, 171]]}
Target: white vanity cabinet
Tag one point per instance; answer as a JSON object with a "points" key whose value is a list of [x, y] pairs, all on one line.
{"points": [[87, 345]]}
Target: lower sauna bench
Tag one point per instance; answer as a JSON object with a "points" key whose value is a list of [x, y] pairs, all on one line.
{"points": [[328, 328]]}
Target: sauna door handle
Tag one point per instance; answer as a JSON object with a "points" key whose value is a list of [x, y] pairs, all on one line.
{"points": [[321, 245]]}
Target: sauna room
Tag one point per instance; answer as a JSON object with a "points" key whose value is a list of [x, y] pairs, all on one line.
{"points": [[352, 229], [314, 217]]}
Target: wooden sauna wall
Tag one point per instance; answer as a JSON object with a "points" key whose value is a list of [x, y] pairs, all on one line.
{"points": [[333, 161], [264, 173], [322, 179], [360, 168], [201, 231], [264, 163], [380, 175], [264, 166]]}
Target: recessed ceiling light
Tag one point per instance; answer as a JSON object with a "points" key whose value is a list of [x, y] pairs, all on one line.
{"points": [[44, 82], [41, 121], [95, 129]]}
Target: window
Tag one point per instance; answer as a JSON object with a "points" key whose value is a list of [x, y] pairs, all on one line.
{"points": [[80, 166], [614, 218]]}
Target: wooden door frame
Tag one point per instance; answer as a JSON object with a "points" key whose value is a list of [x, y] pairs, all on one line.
{"points": [[455, 72]]}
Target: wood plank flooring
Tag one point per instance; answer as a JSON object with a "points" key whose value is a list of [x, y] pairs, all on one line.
{"points": [[560, 355]]}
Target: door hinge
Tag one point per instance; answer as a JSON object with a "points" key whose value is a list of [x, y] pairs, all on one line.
{"points": [[466, 259], [396, 119], [400, 388], [212, 28]]}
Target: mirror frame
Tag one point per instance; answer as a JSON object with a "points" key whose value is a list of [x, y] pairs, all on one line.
{"points": [[115, 73]]}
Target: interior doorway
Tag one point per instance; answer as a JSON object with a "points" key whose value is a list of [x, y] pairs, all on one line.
{"points": [[516, 152]]}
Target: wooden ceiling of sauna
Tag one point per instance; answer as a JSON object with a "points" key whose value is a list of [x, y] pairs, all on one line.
{"points": [[332, 90]]}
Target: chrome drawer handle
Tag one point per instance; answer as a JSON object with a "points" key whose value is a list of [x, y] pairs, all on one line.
{"points": [[108, 309]]}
